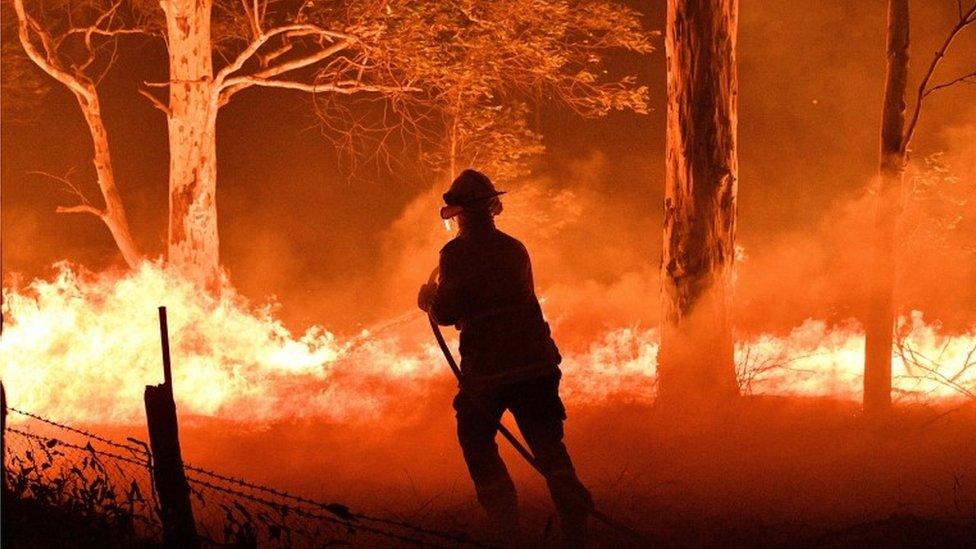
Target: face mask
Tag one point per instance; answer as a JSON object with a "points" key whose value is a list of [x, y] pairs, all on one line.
{"points": [[496, 206]]}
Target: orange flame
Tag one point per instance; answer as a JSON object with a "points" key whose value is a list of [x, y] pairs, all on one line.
{"points": [[83, 345]]}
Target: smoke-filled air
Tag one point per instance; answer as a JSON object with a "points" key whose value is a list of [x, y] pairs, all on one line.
{"points": [[712, 264]]}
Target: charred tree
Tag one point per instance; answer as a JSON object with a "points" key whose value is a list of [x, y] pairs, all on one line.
{"points": [[879, 321], [896, 135], [696, 355]]}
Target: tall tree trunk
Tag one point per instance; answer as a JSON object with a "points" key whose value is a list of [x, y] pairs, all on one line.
{"points": [[695, 361], [879, 322], [114, 213], [193, 242], [87, 96]]}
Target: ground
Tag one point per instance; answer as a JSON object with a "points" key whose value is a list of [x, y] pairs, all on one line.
{"points": [[768, 471]]}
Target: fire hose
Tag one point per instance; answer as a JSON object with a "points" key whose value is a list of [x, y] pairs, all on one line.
{"points": [[518, 445]]}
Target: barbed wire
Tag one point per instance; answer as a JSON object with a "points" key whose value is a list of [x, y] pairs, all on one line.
{"points": [[45, 466], [88, 434], [338, 513], [88, 448], [350, 525], [51, 442], [339, 510]]}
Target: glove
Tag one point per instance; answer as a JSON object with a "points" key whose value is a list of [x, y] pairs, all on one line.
{"points": [[425, 298]]}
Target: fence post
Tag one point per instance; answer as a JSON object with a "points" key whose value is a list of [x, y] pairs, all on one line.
{"points": [[176, 513]]}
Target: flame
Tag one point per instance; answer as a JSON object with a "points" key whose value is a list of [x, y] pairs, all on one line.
{"points": [[82, 346]]}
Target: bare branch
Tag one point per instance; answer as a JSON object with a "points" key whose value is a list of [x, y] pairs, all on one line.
{"points": [[262, 39], [47, 63], [964, 78], [348, 87], [237, 84], [105, 32], [965, 19], [302, 62], [156, 102], [81, 208], [107, 14], [934, 369], [271, 56], [85, 205]]}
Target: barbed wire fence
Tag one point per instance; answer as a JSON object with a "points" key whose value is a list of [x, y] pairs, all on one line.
{"points": [[80, 477], [110, 481]]}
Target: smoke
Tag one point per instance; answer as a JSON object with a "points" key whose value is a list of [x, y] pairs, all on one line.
{"points": [[349, 256], [821, 272]]}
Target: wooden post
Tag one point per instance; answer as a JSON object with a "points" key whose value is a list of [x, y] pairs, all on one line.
{"points": [[179, 528]]}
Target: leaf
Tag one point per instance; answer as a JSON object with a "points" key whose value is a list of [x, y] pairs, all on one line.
{"points": [[134, 494], [244, 512]]}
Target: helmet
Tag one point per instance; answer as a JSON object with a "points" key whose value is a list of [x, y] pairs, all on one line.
{"points": [[469, 189]]}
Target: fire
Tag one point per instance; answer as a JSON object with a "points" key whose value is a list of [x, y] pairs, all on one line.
{"points": [[83, 345]]}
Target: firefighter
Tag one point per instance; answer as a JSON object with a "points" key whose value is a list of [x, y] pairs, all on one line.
{"points": [[508, 358]]}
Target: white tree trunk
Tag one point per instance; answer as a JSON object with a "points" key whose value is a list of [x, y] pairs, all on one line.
{"points": [[193, 245], [114, 213], [695, 361]]}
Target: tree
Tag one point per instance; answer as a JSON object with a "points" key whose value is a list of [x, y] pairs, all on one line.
{"points": [[302, 46], [74, 43], [695, 361], [896, 136], [507, 56], [472, 57]]}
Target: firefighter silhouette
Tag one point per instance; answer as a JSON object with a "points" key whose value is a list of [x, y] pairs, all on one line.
{"points": [[508, 358]]}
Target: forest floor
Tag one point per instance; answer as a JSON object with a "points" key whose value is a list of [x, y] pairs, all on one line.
{"points": [[770, 471]]}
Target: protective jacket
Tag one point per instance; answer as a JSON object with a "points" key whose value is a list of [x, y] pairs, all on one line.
{"points": [[486, 290]]}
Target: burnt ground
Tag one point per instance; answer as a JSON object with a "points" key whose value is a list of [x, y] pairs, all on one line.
{"points": [[769, 472]]}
